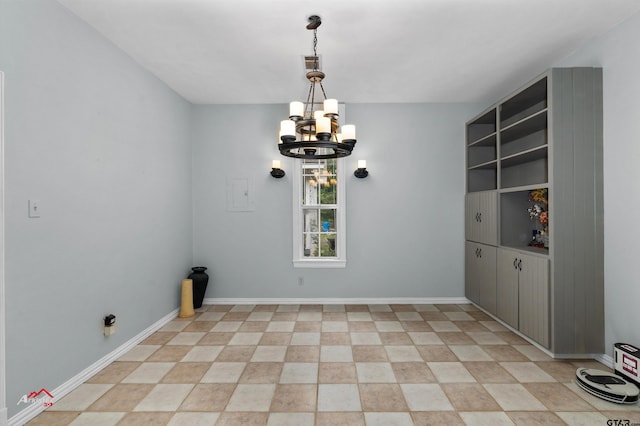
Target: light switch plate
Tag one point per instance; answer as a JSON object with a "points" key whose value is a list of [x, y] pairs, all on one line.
{"points": [[34, 208]]}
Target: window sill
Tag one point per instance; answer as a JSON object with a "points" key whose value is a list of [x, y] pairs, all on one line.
{"points": [[320, 263]]}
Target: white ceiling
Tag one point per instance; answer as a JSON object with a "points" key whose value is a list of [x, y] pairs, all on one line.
{"points": [[250, 51]]}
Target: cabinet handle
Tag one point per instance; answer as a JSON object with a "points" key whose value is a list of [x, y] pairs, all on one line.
{"points": [[520, 265], [515, 263], [477, 214], [479, 217], [480, 252]]}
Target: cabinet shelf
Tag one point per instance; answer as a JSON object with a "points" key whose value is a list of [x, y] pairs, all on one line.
{"points": [[527, 156], [540, 251], [526, 103], [485, 166], [489, 140], [481, 127]]}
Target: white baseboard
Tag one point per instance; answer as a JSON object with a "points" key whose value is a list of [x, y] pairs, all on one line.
{"points": [[337, 301], [34, 409]]}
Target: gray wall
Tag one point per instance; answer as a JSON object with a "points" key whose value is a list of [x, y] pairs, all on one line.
{"points": [[618, 52], [404, 222], [105, 148]]}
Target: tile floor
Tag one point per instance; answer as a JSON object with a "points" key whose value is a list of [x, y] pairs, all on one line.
{"points": [[335, 365]]}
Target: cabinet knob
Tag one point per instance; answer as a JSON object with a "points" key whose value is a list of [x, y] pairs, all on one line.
{"points": [[520, 265], [479, 217], [479, 252], [515, 263]]}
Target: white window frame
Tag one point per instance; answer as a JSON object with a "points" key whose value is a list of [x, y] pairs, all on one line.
{"points": [[299, 260]]}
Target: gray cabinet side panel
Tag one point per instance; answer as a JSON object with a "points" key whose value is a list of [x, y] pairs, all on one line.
{"points": [[534, 298], [487, 290], [561, 216]]}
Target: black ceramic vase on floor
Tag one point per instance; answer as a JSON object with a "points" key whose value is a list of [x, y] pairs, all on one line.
{"points": [[200, 281]]}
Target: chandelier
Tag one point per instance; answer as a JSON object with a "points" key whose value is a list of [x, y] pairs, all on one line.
{"points": [[312, 130]]}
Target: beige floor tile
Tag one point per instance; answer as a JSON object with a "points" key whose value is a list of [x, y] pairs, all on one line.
{"points": [[208, 397], [562, 371], [309, 316], [408, 316], [362, 327], [443, 326], [269, 354], [288, 308], [260, 316], [245, 339], [382, 397], [198, 326], [95, 419], [226, 327], [583, 419], [224, 372], [340, 419], [365, 338], [276, 338], [261, 372], [254, 326], [242, 419], [388, 326], [367, 353], [186, 338], [334, 316], [210, 316], [388, 419], [404, 353], [486, 419], [451, 372], [236, 354], [139, 353], [429, 418], [514, 397], [533, 353], [493, 325], [425, 397], [186, 372], [338, 397], [194, 419], [459, 316], [600, 404], [291, 419], [299, 372], [455, 338], [164, 397], [57, 418], [158, 338], [359, 316], [433, 316], [527, 372], [380, 308], [311, 308], [402, 307], [170, 353], [235, 316], [149, 372], [418, 326], [535, 418], [436, 353], [265, 308], [114, 372], [308, 327], [202, 354], [486, 338], [121, 397], [425, 338], [425, 308], [334, 326], [396, 338], [504, 353], [174, 326], [243, 308], [248, 397], [471, 326], [470, 353], [333, 308], [215, 339], [335, 339], [81, 397], [305, 339], [412, 372], [375, 372], [336, 354], [489, 372], [337, 372], [295, 398], [303, 354], [470, 397], [556, 397], [281, 326]]}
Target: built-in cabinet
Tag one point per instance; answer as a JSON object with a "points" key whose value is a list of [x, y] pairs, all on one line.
{"points": [[539, 150]]}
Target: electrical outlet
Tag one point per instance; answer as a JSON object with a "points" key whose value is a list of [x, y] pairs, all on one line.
{"points": [[110, 330], [34, 208]]}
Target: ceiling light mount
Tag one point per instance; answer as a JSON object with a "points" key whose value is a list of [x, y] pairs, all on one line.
{"points": [[312, 130]]}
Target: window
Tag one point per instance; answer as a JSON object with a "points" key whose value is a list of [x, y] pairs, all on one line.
{"points": [[318, 216]]}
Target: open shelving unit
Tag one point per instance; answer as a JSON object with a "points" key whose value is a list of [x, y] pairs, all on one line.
{"points": [[546, 135]]}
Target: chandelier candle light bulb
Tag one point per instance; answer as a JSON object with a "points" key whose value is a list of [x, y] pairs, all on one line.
{"points": [[296, 110], [349, 132], [330, 107]]}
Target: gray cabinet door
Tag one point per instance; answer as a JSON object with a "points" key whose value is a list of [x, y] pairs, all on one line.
{"points": [[481, 217], [507, 286], [487, 284], [534, 298], [480, 275], [471, 278]]}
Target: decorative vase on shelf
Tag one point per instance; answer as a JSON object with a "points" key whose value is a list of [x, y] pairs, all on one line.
{"points": [[200, 281]]}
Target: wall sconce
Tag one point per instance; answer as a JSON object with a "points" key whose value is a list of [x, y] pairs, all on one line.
{"points": [[361, 172], [276, 171]]}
